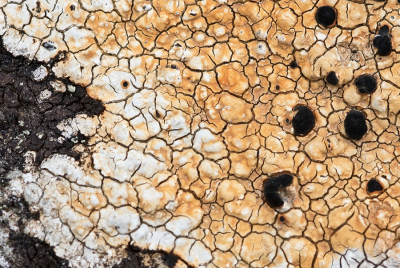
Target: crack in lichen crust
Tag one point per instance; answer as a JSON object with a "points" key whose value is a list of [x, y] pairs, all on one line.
{"points": [[202, 108]]}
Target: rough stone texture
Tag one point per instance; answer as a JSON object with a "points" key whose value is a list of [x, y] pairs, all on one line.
{"points": [[200, 101]]}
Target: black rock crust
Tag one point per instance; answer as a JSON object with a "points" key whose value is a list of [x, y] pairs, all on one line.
{"points": [[27, 251], [147, 259]]}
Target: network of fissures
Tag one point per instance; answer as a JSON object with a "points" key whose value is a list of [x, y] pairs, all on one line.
{"points": [[234, 133]]}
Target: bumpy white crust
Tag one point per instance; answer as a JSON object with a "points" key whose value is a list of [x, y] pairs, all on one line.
{"points": [[196, 96]]}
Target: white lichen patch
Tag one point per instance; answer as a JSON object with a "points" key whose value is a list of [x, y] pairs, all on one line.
{"points": [[201, 110]]}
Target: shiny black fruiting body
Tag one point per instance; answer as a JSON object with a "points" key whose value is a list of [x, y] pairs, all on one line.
{"points": [[366, 84], [374, 186], [332, 78], [326, 16], [382, 41], [304, 121], [271, 187], [355, 125]]}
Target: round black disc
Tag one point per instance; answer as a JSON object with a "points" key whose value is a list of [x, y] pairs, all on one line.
{"points": [[355, 125], [374, 186], [383, 44], [304, 121], [326, 16], [271, 187], [366, 84], [332, 78]]}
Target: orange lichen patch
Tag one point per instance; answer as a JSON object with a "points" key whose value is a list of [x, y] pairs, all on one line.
{"points": [[102, 24], [119, 194], [242, 137], [78, 223], [233, 109], [201, 100], [232, 79], [229, 190], [351, 14], [17, 21], [187, 214], [245, 163], [250, 209], [154, 194], [40, 32], [279, 162], [85, 200], [258, 249], [293, 225], [111, 46], [185, 166], [78, 39], [299, 251]]}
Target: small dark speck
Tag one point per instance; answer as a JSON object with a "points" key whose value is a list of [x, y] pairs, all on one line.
{"points": [[125, 84], [287, 120], [294, 64], [38, 9], [281, 218], [157, 114], [72, 7], [277, 87], [49, 46], [173, 66]]}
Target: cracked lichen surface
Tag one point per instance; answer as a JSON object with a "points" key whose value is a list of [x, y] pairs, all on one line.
{"points": [[199, 99]]}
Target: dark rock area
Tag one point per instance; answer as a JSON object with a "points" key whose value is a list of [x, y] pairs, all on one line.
{"points": [[31, 110], [147, 259], [27, 251]]}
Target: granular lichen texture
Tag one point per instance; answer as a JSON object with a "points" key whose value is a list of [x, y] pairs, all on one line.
{"points": [[234, 133]]}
